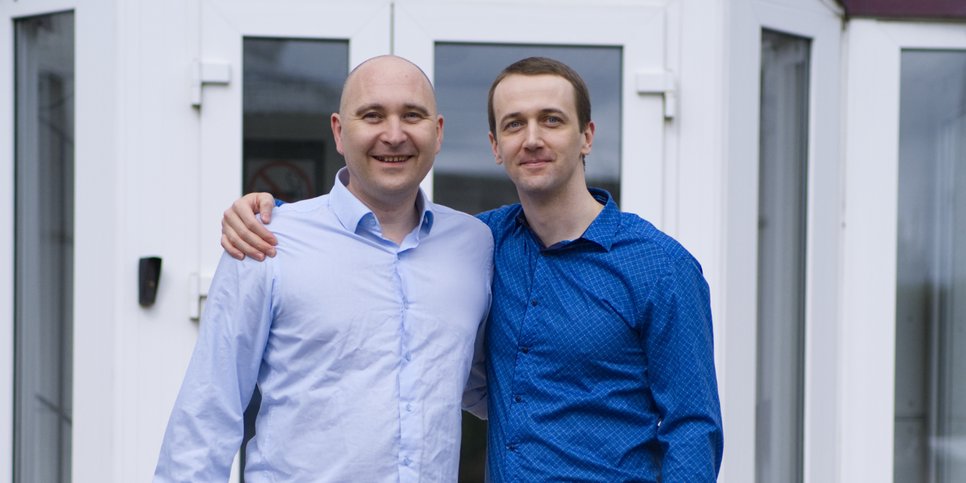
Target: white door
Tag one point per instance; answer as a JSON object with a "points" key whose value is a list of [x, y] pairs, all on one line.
{"points": [[271, 70], [904, 326]]}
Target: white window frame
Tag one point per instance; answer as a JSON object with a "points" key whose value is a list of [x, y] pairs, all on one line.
{"points": [[11, 11], [820, 21], [869, 250]]}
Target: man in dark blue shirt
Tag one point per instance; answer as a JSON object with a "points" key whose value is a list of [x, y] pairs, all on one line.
{"points": [[600, 354]]}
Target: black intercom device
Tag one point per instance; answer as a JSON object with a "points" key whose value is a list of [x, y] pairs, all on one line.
{"points": [[149, 273]]}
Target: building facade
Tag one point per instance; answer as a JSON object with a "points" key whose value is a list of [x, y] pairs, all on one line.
{"points": [[810, 153]]}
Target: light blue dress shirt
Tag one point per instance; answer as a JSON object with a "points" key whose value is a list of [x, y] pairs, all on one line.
{"points": [[363, 350]]}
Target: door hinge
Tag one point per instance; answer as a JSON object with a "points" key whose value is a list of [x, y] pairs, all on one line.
{"points": [[197, 293], [662, 83], [207, 72]]}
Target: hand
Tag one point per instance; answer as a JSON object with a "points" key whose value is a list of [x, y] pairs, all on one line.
{"points": [[242, 234]]}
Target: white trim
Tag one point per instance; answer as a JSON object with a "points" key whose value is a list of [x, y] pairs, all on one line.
{"points": [[6, 247], [15, 9], [97, 247]]}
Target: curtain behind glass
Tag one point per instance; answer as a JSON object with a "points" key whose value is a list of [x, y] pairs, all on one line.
{"points": [[930, 390], [44, 164], [782, 222]]}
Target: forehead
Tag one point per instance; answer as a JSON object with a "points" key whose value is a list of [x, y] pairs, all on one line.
{"points": [[388, 82], [517, 93]]}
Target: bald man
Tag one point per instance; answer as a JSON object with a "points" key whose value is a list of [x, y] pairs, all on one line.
{"points": [[361, 332]]}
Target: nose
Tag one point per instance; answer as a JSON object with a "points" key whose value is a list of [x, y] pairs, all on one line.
{"points": [[534, 138], [393, 134]]}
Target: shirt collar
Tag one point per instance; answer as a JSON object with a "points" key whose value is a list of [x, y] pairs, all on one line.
{"points": [[355, 216], [601, 231]]}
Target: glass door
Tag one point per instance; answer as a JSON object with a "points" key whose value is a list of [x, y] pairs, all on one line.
{"points": [[905, 325]]}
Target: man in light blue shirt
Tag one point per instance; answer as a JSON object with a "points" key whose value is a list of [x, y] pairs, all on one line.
{"points": [[361, 331]]}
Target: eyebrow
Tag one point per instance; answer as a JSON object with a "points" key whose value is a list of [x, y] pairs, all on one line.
{"points": [[543, 112], [375, 106]]}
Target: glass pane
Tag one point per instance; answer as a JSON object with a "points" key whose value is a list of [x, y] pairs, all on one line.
{"points": [[44, 223], [465, 175], [291, 87], [930, 397], [782, 210]]}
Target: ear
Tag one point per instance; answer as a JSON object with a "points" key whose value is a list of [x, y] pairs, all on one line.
{"points": [[336, 123], [495, 146], [588, 135], [439, 132]]}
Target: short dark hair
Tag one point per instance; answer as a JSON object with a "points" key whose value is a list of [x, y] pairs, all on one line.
{"points": [[545, 66]]}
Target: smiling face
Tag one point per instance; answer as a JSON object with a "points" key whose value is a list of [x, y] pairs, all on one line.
{"points": [[537, 137], [388, 130]]}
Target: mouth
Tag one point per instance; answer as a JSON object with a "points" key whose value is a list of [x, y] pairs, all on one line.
{"points": [[393, 159]]}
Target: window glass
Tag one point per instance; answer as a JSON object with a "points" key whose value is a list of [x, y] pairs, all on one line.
{"points": [[930, 389], [782, 221], [43, 359], [290, 88], [466, 177]]}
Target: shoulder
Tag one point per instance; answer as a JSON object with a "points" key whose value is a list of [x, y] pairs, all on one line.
{"points": [[446, 219], [665, 254], [501, 218], [292, 216]]}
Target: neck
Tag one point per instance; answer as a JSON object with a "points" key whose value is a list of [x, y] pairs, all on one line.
{"points": [[396, 220], [562, 216]]}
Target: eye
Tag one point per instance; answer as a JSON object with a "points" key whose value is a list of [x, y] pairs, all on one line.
{"points": [[412, 116], [553, 120], [371, 116], [512, 125]]}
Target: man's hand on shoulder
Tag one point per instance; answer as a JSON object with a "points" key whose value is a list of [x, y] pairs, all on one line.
{"points": [[242, 234]]}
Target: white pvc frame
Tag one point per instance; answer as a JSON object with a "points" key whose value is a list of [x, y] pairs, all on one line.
{"points": [[819, 21]]}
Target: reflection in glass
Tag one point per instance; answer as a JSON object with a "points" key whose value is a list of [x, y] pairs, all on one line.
{"points": [[465, 174], [291, 87], [782, 222], [930, 391], [44, 262]]}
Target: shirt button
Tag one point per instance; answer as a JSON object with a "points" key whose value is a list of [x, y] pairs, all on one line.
{"points": [[511, 447], [409, 356], [406, 461], [533, 302], [409, 407], [517, 398], [525, 350]]}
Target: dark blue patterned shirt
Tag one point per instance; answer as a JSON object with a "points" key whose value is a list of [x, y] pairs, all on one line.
{"points": [[600, 359]]}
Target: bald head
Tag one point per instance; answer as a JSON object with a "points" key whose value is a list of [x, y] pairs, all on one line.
{"points": [[382, 70]]}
